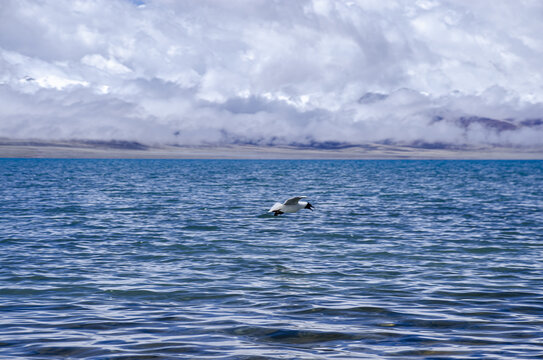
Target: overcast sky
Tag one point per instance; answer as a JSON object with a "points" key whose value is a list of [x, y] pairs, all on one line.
{"points": [[272, 71]]}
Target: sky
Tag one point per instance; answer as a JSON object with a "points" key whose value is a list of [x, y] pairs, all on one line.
{"points": [[273, 72]]}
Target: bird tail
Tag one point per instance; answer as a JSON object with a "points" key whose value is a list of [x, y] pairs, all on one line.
{"points": [[275, 207]]}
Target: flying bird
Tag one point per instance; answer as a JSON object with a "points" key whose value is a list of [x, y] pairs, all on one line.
{"points": [[292, 205]]}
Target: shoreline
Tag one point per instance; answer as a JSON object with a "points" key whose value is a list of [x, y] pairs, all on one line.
{"points": [[31, 148]]}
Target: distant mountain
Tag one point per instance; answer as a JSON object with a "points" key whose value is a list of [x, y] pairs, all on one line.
{"points": [[498, 125]]}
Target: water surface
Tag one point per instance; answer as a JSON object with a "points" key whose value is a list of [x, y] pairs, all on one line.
{"points": [[162, 259]]}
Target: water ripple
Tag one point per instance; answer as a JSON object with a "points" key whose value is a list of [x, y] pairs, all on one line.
{"points": [[130, 259]]}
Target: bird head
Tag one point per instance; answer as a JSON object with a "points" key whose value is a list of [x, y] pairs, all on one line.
{"points": [[309, 206]]}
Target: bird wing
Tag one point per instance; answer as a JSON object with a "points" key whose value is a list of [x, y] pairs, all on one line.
{"points": [[275, 207], [293, 200]]}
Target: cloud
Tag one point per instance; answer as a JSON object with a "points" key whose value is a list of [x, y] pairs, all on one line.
{"points": [[163, 71]]}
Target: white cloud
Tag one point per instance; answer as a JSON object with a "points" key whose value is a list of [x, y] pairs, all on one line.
{"points": [[272, 72], [111, 66]]}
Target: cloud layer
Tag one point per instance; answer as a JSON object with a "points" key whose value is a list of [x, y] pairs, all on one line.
{"points": [[273, 72]]}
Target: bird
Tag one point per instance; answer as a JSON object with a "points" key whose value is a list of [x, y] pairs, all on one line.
{"points": [[292, 205]]}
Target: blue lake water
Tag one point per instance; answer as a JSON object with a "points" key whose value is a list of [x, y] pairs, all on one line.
{"points": [[162, 259]]}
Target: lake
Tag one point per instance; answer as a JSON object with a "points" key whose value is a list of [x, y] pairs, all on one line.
{"points": [[162, 259]]}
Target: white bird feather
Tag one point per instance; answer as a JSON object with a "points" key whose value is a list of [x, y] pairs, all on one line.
{"points": [[291, 205]]}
